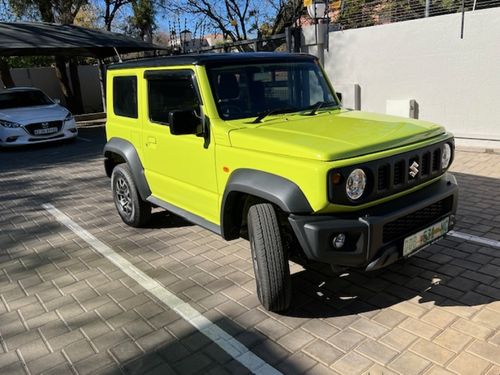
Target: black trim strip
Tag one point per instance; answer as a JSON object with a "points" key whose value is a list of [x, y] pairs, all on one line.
{"points": [[195, 219]]}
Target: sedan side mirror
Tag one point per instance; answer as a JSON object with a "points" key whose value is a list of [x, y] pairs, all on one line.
{"points": [[57, 101], [185, 122]]}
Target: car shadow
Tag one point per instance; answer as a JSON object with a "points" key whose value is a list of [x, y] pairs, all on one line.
{"points": [[440, 275], [163, 220]]}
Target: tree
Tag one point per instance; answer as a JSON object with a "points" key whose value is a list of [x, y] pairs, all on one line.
{"points": [[111, 8], [5, 73], [231, 17], [237, 18], [61, 11], [87, 16], [143, 18]]}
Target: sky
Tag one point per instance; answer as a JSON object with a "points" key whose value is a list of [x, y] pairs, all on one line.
{"points": [[165, 20]]}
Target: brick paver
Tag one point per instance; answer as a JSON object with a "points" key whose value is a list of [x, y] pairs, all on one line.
{"points": [[66, 309]]}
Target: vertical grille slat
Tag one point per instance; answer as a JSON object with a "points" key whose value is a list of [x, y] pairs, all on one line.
{"points": [[399, 171], [436, 160], [426, 164], [383, 178]]}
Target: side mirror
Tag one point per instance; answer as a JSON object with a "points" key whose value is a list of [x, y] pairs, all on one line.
{"points": [[184, 122], [57, 101]]}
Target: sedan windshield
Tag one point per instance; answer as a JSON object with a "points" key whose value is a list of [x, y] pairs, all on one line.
{"points": [[253, 90], [28, 98]]}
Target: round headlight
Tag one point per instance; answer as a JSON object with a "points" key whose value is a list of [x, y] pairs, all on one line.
{"points": [[356, 183], [446, 156]]}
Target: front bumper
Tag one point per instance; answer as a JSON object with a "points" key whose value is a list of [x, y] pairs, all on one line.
{"points": [[10, 137], [375, 236]]}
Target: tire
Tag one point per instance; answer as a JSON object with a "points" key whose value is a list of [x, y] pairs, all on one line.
{"points": [[270, 262], [131, 208]]}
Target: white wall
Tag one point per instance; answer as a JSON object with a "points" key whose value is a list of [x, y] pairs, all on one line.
{"points": [[456, 82]]}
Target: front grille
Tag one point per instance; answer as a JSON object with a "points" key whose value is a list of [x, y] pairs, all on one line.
{"points": [[416, 221], [43, 125], [391, 175]]}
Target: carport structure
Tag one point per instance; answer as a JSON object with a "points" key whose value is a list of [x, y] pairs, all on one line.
{"points": [[67, 41]]}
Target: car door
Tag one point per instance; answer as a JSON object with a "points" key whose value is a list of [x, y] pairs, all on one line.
{"points": [[180, 169]]}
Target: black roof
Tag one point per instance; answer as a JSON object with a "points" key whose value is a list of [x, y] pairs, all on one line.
{"points": [[39, 38], [213, 58]]}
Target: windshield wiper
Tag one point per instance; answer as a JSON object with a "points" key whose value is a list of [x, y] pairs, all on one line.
{"points": [[317, 106], [274, 111]]}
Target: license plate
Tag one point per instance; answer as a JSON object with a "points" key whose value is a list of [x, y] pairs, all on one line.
{"points": [[425, 236], [45, 131]]}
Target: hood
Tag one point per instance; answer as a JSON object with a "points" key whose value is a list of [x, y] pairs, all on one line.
{"points": [[332, 136], [29, 115]]}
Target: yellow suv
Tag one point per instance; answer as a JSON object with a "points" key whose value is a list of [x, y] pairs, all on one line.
{"points": [[257, 145]]}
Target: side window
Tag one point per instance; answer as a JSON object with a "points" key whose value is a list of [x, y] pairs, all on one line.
{"points": [[125, 96], [170, 93]]}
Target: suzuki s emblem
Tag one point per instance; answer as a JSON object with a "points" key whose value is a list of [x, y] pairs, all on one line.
{"points": [[45, 125], [414, 169]]}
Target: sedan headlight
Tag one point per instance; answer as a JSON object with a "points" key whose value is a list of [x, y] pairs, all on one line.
{"points": [[68, 117], [355, 184], [9, 124], [446, 156]]}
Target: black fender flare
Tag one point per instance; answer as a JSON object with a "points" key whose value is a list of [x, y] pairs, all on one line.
{"points": [[275, 189], [128, 153]]}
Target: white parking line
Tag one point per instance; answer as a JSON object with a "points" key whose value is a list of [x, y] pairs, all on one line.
{"points": [[472, 238], [227, 342], [84, 139]]}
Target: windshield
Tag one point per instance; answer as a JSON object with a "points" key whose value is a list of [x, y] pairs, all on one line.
{"points": [[26, 98], [243, 91]]}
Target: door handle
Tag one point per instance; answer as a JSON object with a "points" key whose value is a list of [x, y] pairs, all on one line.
{"points": [[151, 141]]}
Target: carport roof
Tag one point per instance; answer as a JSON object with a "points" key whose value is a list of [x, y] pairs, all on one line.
{"points": [[40, 39]]}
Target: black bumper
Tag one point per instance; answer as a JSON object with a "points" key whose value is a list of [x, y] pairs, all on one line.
{"points": [[375, 236]]}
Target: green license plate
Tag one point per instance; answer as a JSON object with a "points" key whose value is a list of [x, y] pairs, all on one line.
{"points": [[425, 236]]}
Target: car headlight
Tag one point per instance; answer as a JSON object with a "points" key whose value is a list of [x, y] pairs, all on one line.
{"points": [[68, 117], [446, 156], [355, 184], [9, 124]]}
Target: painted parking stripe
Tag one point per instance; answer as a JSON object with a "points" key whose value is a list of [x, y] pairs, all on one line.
{"points": [[472, 238], [227, 342]]}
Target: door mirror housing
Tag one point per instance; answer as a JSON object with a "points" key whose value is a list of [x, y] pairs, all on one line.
{"points": [[57, 101], [185, 121]]}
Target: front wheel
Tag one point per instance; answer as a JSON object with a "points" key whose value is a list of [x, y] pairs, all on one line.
{"points": [[270, 262], [131, 208]]}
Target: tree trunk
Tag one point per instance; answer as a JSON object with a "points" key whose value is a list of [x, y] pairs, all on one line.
{"points": [[62, 76], [75, 83], [5, 73]]}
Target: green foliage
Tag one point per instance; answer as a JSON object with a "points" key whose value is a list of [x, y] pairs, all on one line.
{"points": [[143, 18], [62, 11], [28, 61]]}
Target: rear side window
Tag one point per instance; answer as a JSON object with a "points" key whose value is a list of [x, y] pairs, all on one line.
{"points": [[170, 92], [125, 96]]}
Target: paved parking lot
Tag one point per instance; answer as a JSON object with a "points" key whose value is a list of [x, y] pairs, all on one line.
{"points": [[83, 293]]}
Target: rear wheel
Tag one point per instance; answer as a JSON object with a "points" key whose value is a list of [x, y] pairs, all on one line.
{"points": [[131, 208], [270, 262]]}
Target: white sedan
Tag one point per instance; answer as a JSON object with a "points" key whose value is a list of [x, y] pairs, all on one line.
{"points": [[28, 116]]}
